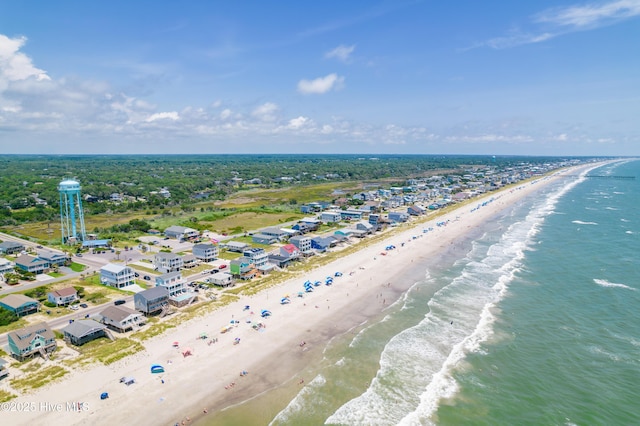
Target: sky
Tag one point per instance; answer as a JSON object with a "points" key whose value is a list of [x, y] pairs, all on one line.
{"points": [[503, 77]]}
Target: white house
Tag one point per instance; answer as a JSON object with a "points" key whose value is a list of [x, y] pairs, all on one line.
{"points": [[64, 296], [205, 252], [167, 262], [181, 232], [173, 282], [117, 275]]}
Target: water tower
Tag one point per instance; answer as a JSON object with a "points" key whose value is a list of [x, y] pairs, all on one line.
{"points": [[71, 213]]}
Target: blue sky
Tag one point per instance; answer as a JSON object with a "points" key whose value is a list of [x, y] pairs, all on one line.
{"points": [[416, 77]]}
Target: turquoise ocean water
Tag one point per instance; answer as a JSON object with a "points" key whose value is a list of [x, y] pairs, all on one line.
{"points": [[536, 322]]}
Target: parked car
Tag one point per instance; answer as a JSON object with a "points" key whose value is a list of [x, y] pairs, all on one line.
{"points": [[136, 274], [222, 266], [73, 307], [119, 302], [79, 254], [84, 305], [146, 277]]}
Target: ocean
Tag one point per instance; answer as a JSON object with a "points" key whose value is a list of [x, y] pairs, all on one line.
{"points": [[534, 322]]}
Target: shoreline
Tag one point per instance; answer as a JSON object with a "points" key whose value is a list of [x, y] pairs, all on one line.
{"points": [[272, 356]]}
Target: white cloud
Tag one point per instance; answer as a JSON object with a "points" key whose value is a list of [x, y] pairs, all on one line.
{"points": [[15, 65], [266, 112], [321, 84], [163, 116], [555, 22], [590, 15], [225, 114], [341, 52], [297, 123]]}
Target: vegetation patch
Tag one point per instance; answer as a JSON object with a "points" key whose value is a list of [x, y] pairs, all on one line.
{"points": [[77, 267], [39, 378], [107, 351], [6, 396]]}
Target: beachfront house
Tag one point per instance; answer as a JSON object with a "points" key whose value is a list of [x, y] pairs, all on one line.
{"points": [[263, 239], [167, 262], [416, 210], [173, 282], [121, 318], [303, 244], [20, 304], [205, 252], [117, 276], [63, 297], [366, 227], [31, 340], [53, 258], [11, 247], [223, 279], [82, 331], [151, 301], [236, 246], [181, 233], [322, 244], [287, 254], [32, 264], [398, 216], [242, 268]]}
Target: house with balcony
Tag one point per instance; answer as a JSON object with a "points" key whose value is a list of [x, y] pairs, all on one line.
{"points": [[117, 276], [32, 264], [351, 215], [3, 369], [82, 331], [36, 339], [287, 254], [331, 217], [11, 247], [236, 246], [167, 262], [189, 261], [181, 233], [54, 258], [365, 227], [205, 252], [264, 239], [303, 243], [121, 318], [242, 268], [63, 297], [151, 301], [398, 216], [6, 266], [257, 256], [172, 282], [279, 234], [20, 304], [223, 279]]}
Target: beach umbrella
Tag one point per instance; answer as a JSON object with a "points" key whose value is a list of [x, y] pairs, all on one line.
{"points": [[317, 283], [104, 395], [176, 344], [157, 368], [338, 274]]}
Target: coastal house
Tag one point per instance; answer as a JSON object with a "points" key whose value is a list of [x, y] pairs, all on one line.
{"points": [[257, 256], [121, 318], [53, 258], [82, 331], [366, 227], [11, 247], [330, 217], [415, 210], [322, 244], [351, 214], [172, 282], [242, 268], [264, 239], [303, 244], [189, 261], [3, 369], [279, 234], [287, 254], [167, 262], [20, 304], [63, 297], [117, 276], [205, 252], [181, 233], [32, 264], [398, 216], [223, 279], [6, 266], [151, 301], [31, 340], [236, 246]]}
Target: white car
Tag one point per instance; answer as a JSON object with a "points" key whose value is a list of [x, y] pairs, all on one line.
{"points": [[74, 307]]}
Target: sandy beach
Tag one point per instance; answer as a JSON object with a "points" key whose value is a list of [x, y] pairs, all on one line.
{"points": [[210, 379]]}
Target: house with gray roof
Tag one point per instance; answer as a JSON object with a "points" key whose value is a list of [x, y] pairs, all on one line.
{"points": [[6, 266], [20, 304], [11, 247], [29, 341], [82, 331], [236, 246], [181, 232], [3, 369], [32, 264], [205, 252], [121, 318], [152, 300], [264, 239], [167, 262], [117, 276], [53, 257], [173, 282]]}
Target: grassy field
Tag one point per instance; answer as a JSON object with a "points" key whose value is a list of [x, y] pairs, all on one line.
{"points": [[39, 378]]}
